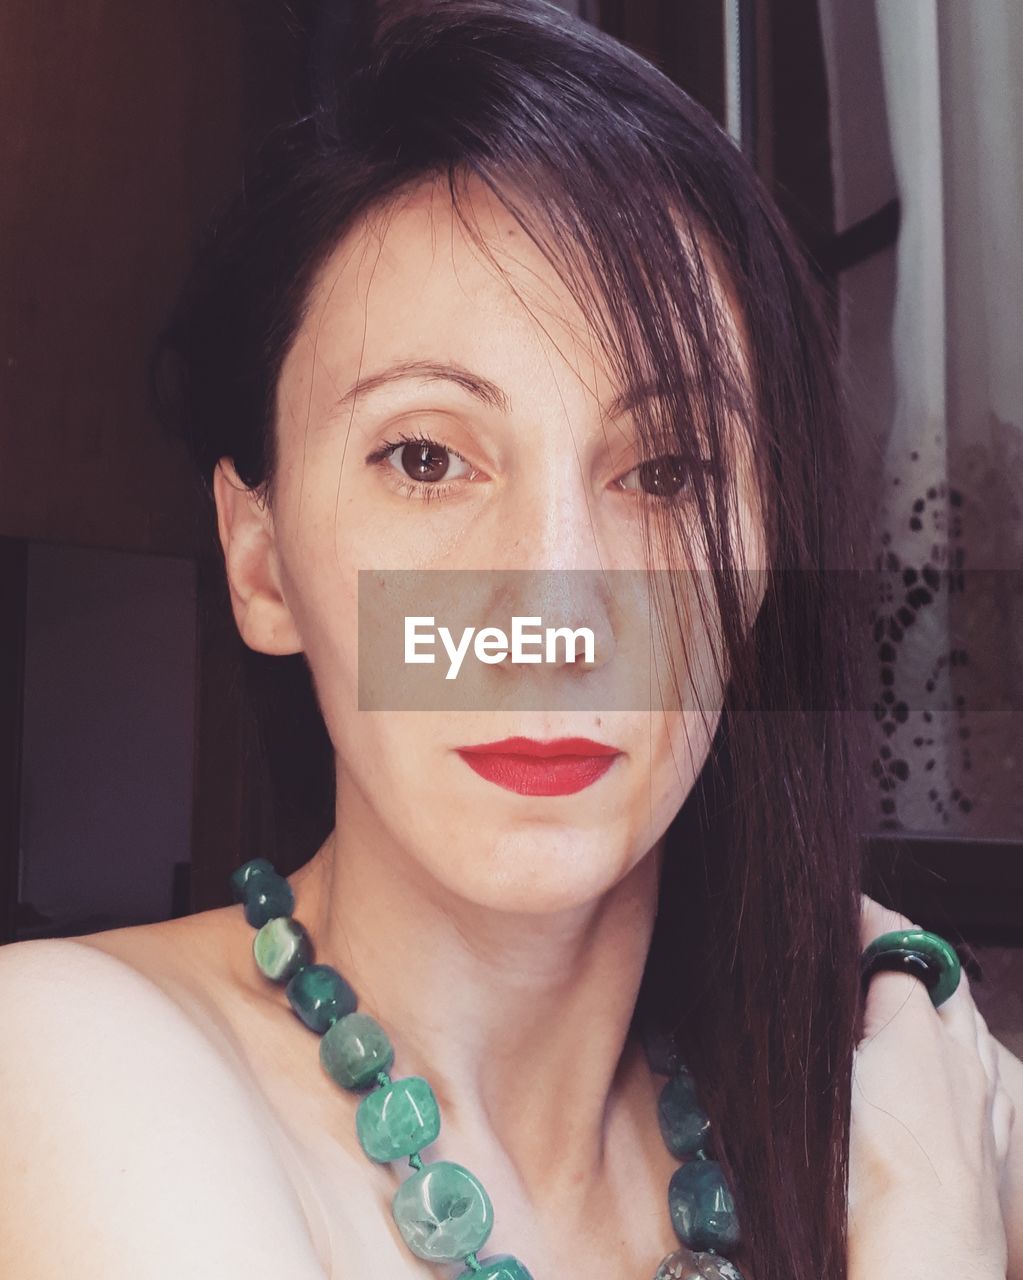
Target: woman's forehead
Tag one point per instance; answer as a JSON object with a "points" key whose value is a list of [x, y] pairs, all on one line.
{"points": [[419, 263], [419, 278]]}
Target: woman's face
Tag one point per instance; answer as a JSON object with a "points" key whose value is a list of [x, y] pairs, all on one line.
{"points": [[526, 470]]}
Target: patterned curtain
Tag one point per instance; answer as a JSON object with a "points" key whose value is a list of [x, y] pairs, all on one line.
{"points": [[926, 115]]}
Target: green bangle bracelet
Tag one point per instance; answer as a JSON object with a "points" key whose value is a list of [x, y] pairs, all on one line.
{"points": [[919, 952]]}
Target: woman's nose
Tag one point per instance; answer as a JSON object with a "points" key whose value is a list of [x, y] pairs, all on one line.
{"points": [[555, 560], [551, 520]]}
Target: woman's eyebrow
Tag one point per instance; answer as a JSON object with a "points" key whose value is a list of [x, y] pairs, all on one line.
{"points": [[475, 383], [430, 370]]}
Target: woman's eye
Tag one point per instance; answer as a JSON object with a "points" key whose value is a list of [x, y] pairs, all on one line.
{"points": [[423, 461], [426, 460], [660, 477]]}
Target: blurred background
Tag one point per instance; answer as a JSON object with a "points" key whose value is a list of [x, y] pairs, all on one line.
{"points": [[133, 776]]}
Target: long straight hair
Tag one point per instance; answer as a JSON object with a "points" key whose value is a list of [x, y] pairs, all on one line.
{"points": [[642, 202]]}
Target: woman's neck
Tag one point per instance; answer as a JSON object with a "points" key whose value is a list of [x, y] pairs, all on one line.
{"points": [[519, 1022]]}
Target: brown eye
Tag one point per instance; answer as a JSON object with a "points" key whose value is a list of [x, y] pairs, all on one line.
{"points": [[423, 467], [423, 460], [660, 477]]}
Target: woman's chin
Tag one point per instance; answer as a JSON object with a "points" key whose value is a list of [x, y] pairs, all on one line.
{"points": [[537, 872]]}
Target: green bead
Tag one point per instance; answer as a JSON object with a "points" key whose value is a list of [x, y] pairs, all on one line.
{"points": [[443, 1212], [501, 1266], [662, 1052], [267, 895], [685, 1265], [282, 947], [320, 996], [701, 1207], [240, 878], [685, 1127], [398, 1119], [354, 1049]]}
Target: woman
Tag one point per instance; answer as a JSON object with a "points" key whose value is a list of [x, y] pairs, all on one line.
{"points": [[510, 301]]}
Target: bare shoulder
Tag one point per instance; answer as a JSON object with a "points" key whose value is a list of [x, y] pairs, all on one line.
{"points": [[130, 1147]]}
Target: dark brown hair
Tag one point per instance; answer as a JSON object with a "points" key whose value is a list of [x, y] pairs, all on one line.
{"points": [[638, 197]]}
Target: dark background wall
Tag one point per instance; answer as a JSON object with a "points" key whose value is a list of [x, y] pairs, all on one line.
{"points": [[106, 778], [123, 127]]}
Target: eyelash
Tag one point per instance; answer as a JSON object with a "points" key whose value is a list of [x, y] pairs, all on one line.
{"points": [[426, 491]]}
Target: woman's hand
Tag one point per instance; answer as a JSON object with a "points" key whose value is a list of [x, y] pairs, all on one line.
{"points": [[931, 1130]]}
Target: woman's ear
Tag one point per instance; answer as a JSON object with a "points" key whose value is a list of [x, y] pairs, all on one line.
{"points": [[250, 557]]}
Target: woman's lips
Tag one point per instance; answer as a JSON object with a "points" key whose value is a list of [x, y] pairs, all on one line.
{"points": [[534, 768]]}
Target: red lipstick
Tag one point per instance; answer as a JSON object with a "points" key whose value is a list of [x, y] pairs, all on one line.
{"points": [[557, 767]]}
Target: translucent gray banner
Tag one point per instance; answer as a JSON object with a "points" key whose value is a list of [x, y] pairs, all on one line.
{"points": [[625, 639]]}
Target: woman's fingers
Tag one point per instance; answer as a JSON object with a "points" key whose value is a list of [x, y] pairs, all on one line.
{"points": [[900, 1004], [1003, 1107], [889, 991]]}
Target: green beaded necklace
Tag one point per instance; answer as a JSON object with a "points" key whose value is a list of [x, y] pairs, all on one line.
{"points": [[442, 1210]]}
